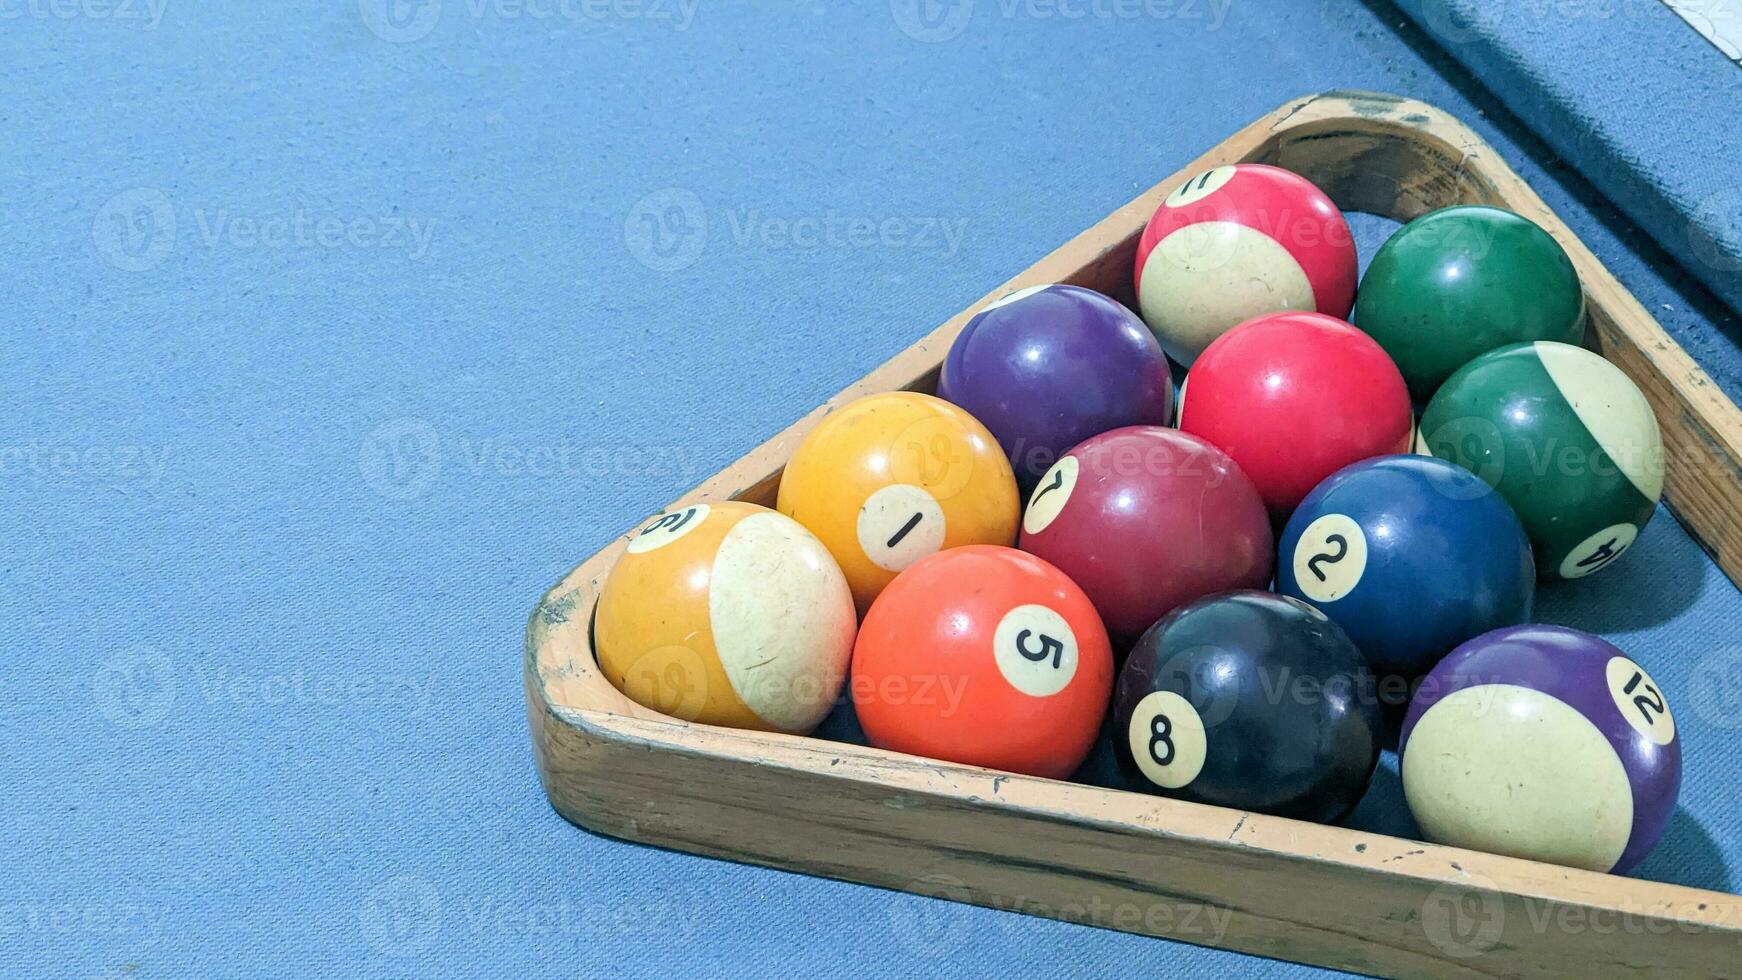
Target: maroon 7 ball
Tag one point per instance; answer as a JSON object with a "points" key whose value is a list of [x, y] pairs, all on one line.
{"points": [[1146, 519]]}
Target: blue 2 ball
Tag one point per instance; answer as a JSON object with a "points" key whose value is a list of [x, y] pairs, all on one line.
{"points": [[1411, 556]]}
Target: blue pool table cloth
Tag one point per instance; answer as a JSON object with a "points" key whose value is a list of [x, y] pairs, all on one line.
{"points": [[339, 331], [1649, 108]]}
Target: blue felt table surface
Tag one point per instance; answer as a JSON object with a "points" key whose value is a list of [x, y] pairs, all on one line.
{"points": [[1650, 109], [335, 337]]}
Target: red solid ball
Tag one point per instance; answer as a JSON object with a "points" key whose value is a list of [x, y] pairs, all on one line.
{"points": [[987, 656], [1147, 519], [1293, 398]]}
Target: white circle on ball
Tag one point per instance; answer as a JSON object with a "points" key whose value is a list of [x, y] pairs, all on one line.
{"points": [[898, 525], [668, 527], [1511, 770], [1167, 739], [1020, 294], [1596, 552], [1640, 700], [1200, 186], [1612, 408], [1051, 495], [783, 620], [1207, 277], [1035, 650], [1330, 558]]}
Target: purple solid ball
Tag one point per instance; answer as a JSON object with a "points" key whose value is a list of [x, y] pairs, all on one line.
{"points": [[1542, 742], [1048, 367]]}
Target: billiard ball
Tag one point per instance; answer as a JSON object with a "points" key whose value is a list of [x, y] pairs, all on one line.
{"points": [[730, 614], [1461, 281], [1411, 556], [986, 656], [1542, 742], [1049, 366], [1294, 397], [1253, 701], [1566, 438], [1235, 242], [888, 479], [1146, 519]]}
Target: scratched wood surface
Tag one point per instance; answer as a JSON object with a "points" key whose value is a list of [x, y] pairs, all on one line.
{"points": [[1258, 884]]}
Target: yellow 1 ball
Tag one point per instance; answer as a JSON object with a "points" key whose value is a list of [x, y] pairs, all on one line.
{"points": [[889, 479]]}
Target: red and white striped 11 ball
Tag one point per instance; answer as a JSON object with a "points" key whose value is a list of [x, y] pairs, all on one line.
{"points": [[1236, 242]]}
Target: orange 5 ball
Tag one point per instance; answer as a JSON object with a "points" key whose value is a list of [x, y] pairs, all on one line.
{"points": [[728, 614], [892, 478], [987, 656]]}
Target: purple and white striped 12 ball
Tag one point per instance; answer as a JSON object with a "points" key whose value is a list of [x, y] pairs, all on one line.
{"points": [[1542, 742]]}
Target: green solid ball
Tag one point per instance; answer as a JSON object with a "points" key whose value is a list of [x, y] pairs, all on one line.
{"points": [[1461, 281], [1568, 440]]}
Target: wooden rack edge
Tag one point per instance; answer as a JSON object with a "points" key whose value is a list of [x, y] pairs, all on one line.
{"points": [[1324, 895]]}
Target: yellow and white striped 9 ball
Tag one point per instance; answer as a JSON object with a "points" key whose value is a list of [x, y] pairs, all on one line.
{"points": [[729, 614], [889, 479]]}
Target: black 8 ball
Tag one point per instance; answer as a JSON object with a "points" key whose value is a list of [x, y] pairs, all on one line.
{"points": [[1253, 701]]}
